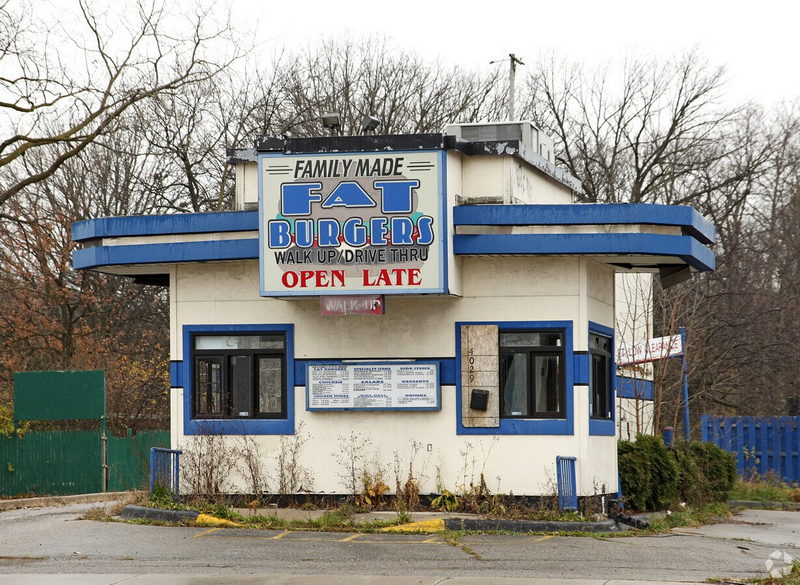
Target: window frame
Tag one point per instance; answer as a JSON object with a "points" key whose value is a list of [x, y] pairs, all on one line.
{"points": [[523, 426], [272, 424], [225, 356], [602, 426], [532, 351], [608, 391]]}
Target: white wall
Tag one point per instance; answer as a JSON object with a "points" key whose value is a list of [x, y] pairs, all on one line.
{"points": [[510, 180], [634, 318], [494, 289], [634, 417]]}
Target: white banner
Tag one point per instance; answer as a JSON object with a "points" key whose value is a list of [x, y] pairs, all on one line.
{"points": [[648, 351]]}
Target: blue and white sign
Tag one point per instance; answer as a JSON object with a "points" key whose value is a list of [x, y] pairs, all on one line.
{"points": [[354, 223], [373, 386]]}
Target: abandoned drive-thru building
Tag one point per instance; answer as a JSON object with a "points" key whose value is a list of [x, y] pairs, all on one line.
{"points": [[436, 299]]}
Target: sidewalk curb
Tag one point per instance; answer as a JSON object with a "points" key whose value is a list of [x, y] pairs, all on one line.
{"points": [[175, 516], [426, 526], [758, 505], [482, 524], [44, 501]]}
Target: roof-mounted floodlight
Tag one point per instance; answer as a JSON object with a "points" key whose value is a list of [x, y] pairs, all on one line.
{"points": [[332, 121], [369, 123]]}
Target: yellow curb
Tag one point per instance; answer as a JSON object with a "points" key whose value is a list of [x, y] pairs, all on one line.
{"points": [[436, 525], [208, 520]]}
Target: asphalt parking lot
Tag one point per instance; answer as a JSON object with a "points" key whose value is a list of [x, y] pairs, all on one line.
{"points": [[52, 545]]}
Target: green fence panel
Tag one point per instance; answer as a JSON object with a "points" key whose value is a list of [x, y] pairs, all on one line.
{"points": [[129, 459], [76, 395], [51, 463]]}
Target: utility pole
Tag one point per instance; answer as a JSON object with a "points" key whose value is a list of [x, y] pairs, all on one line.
{"points": [[512, 90], [513, 61]]}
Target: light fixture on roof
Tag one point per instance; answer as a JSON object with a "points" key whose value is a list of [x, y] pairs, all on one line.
{"points": [[369, 123], [332, 121]]}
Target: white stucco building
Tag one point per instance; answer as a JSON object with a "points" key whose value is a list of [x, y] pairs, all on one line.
{"points": [[480, 299]]}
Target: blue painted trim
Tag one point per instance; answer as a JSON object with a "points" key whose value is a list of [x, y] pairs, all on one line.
{"points": [[681, 216], [578, 214], [309, 363], [98, 256], [176, 374], [447, 372], [516, 426], [447, 369], [444, 264], [261, 251], [603, 427], [152, 225], [684, 247], [581, 371], [239, 426], [441, 234], [602, 330], [634, 388]]}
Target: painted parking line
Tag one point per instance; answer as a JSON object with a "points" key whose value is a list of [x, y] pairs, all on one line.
{"points": [[299, 536], [350, 538], [435, 525]]}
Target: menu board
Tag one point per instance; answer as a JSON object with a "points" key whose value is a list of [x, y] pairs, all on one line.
{"points": [[373, 386]]}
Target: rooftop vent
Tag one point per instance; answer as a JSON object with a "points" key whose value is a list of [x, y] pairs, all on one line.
{"points": [[526, 133]]}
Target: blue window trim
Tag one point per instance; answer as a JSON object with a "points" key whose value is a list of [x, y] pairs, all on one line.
{"points": [[598, 426], [435, 363], [516, 426], [441, 233], [239, 426]]}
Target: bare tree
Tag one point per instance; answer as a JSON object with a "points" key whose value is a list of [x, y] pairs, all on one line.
{"points": [[60, 105], [372, 77], [651, 137]]}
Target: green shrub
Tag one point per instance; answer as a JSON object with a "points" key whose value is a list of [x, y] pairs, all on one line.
{"points": [[707, 473], [654, 478], [648, 472]]}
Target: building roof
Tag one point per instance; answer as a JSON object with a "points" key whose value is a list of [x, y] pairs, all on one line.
{"points": [[637, 237]]}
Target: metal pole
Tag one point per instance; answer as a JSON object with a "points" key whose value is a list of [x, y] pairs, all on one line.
{"points": [[512, 90], [104, 449], [152, 468], [685, 386]]}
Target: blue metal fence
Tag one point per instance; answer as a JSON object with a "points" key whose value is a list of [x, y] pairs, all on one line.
{"points": [[761, 444], [567, 487], [165, 469]]}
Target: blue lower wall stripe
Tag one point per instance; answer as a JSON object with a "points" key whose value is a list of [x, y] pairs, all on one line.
{"points": [[581, 368], [634, 388], [176, 373]]}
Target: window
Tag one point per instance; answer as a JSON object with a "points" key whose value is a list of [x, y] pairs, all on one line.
{"points": [[239, 376], [532, 374], [600, 376]]}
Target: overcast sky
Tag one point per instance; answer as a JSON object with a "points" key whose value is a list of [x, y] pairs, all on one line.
{"points": [[758, 42]]}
